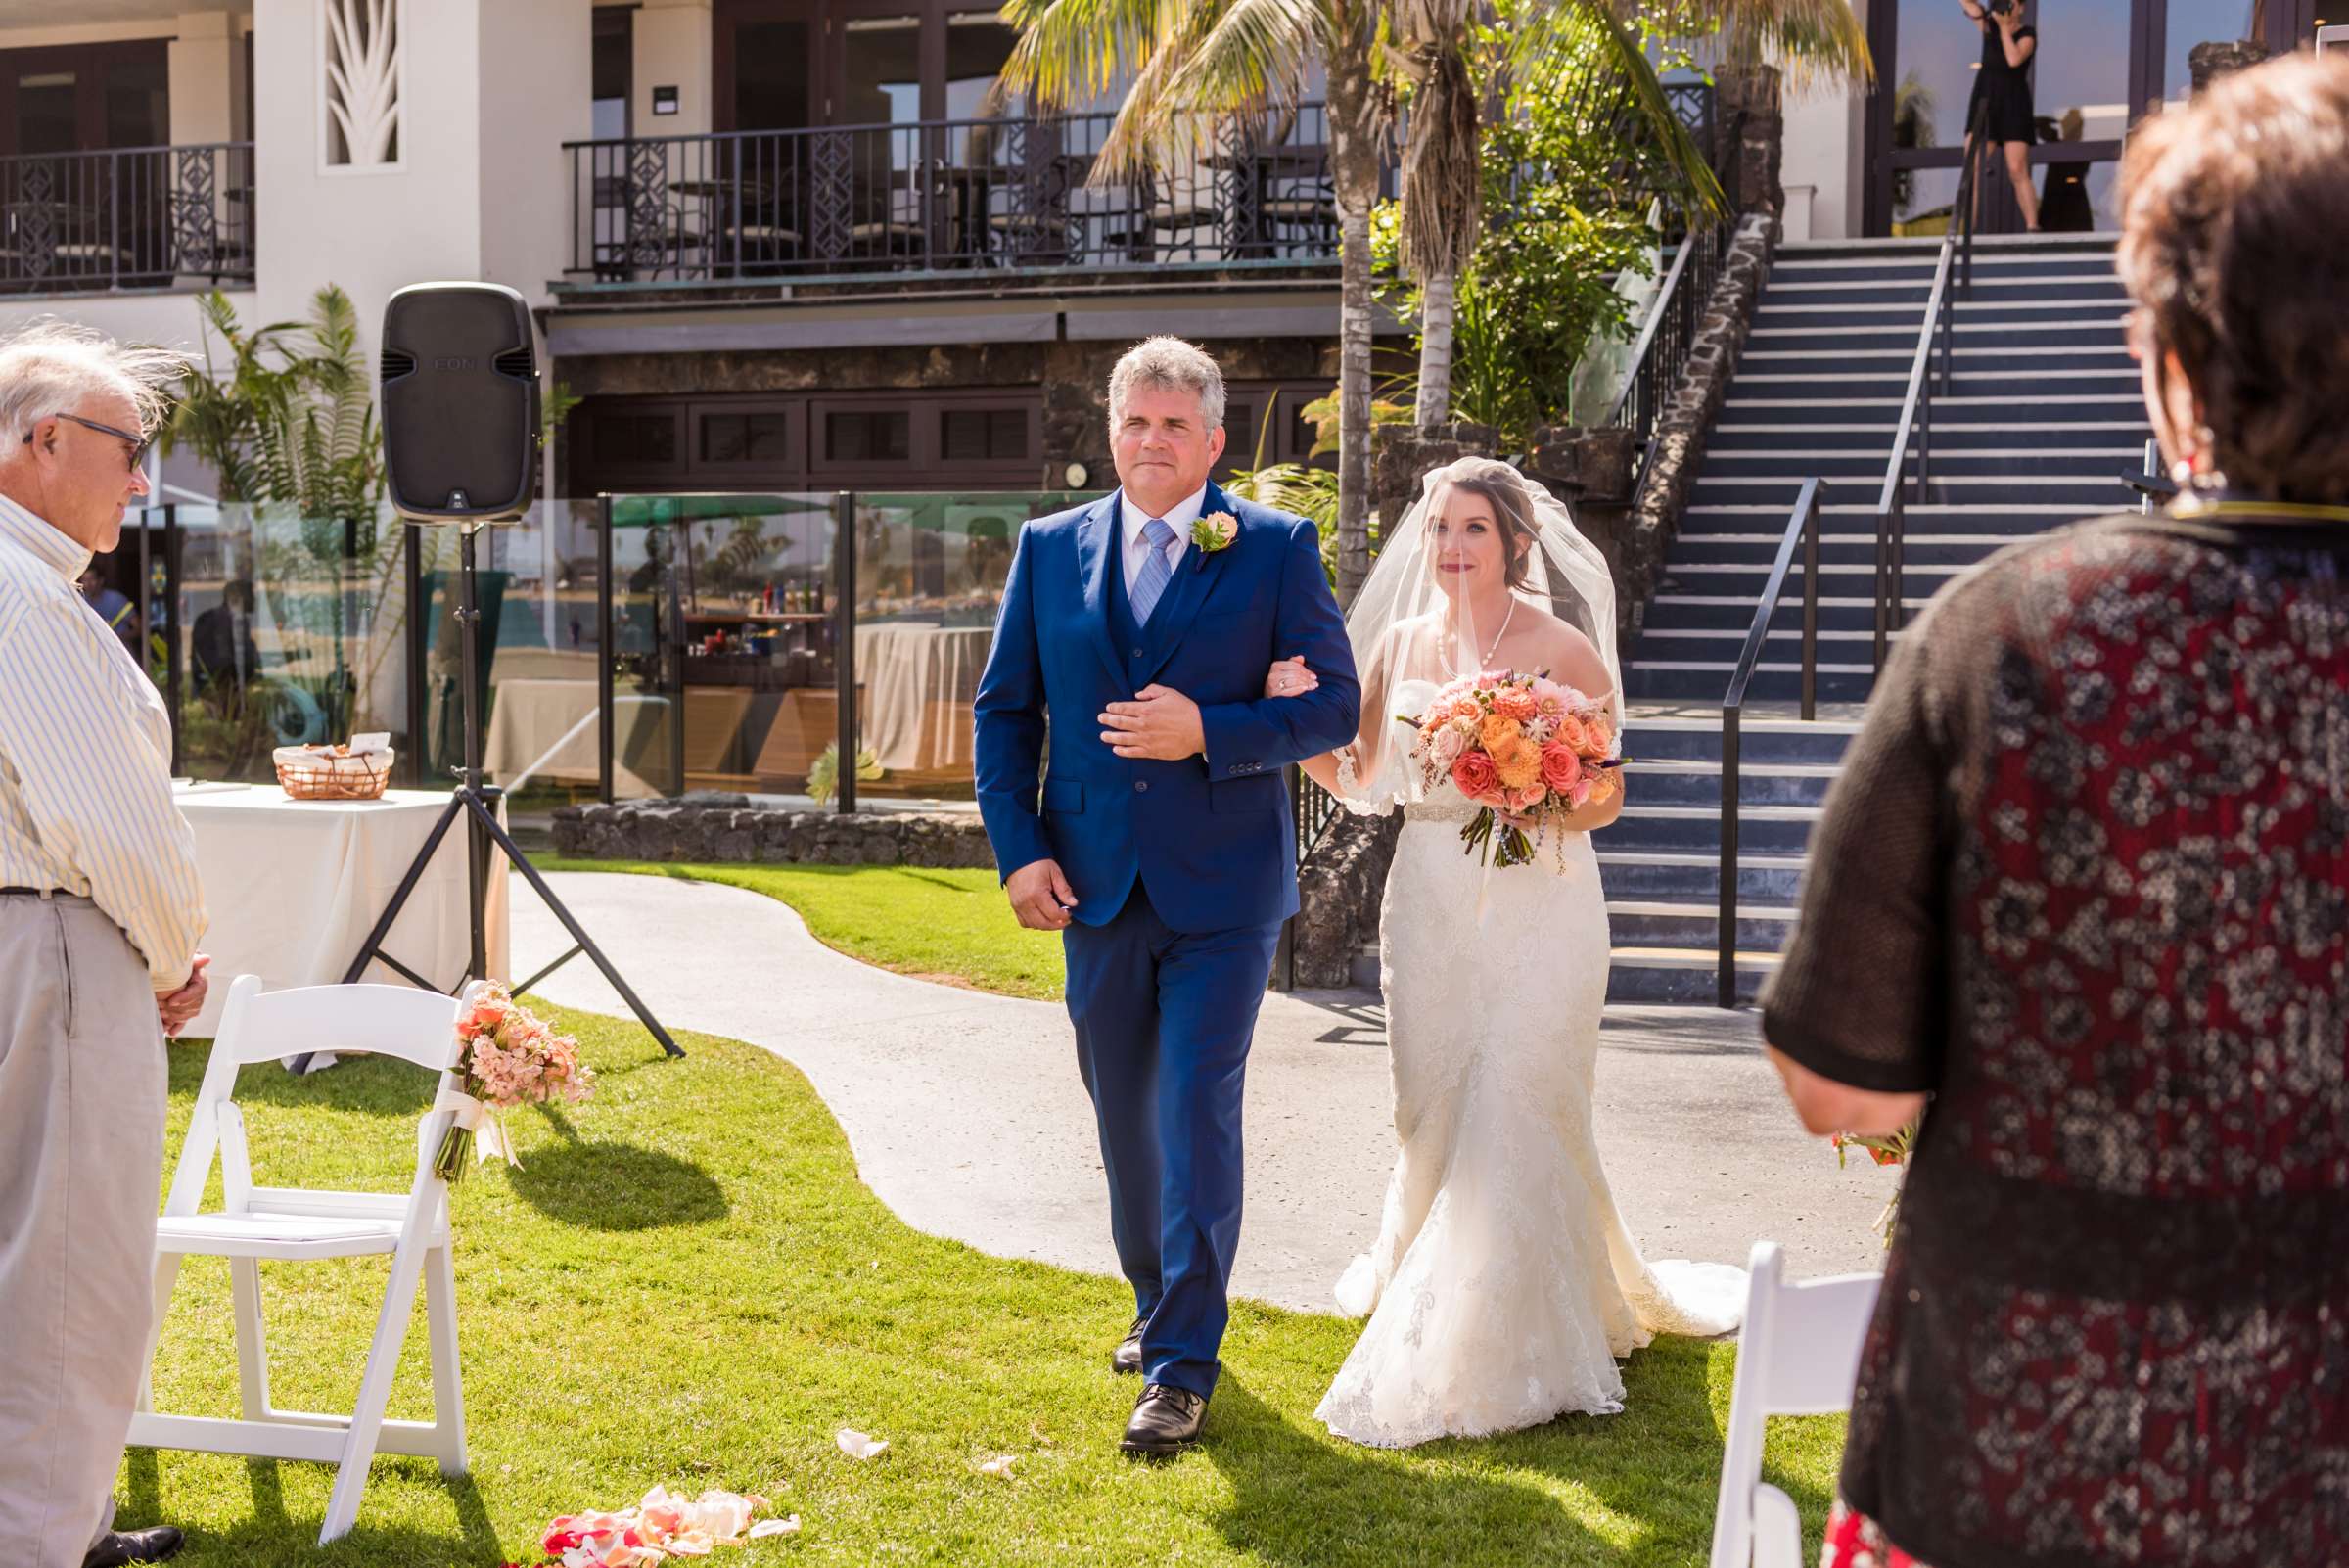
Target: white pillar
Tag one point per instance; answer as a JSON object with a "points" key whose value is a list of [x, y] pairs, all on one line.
{"points": [[203, 68], [488, 91], [672, 44]]}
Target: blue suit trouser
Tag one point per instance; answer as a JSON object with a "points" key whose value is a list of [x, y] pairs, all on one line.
{"points": [[1164, 1020]]}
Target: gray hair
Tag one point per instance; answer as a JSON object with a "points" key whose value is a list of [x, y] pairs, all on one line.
{"points": [[48, 367], [1168, 364]]}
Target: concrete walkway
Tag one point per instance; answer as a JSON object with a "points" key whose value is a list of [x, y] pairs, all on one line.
{"points": [[968, 1119]]}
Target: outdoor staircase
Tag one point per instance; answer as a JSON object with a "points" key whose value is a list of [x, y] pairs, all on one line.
{"points": [[2040, 419]]}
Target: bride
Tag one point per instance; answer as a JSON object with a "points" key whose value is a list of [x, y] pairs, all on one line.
{"points": [[1502, 1287]]}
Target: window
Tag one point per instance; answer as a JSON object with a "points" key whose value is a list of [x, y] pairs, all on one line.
{"points": [[611, 72], [869, 436], [762, 437], [983, 435], [635, 439]]}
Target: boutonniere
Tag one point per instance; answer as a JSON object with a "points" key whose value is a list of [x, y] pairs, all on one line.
{"points": [[1214, 531]]}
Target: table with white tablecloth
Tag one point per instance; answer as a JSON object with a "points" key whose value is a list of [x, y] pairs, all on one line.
{"points": [[919, 680], [293, 888]]}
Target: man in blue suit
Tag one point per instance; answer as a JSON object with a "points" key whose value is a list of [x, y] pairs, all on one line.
{"points": [[1135, 640]]}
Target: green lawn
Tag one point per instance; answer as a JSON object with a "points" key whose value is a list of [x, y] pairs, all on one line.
{"points": [[942, 925], [687, 1283]]}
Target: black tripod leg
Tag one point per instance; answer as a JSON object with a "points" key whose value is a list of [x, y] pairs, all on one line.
{"points": [[407, 885], [522, 863]]}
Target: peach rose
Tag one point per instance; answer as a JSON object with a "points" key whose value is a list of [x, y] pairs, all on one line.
{"points": [[1603, 783], [1517, 761], [1444, 748], [1525, 798], [1473, 775], [1561, 767], [1573, 734], [1601, 733]]}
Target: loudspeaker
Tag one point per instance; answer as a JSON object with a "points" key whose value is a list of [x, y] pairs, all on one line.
{"points": [[460, 401]]}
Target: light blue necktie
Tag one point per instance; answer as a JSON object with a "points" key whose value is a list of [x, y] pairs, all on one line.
{"points": [[1157, 570]]}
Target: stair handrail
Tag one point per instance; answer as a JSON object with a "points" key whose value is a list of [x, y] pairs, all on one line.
{"points": [[1936, 331], [1802, 527]]}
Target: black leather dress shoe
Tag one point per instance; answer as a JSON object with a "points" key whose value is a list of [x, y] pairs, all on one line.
{"points": [[120, 1547], [1165, 1420], [1126, 1359]]}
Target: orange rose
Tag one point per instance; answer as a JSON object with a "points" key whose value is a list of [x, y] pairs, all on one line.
{"points": [[1603, 783], [1497, 730], [1561, 768]]}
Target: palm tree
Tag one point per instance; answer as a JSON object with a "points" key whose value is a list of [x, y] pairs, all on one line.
{"points": [[1193, 66]]}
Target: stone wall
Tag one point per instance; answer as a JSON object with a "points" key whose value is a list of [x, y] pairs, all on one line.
{"points": [[729, 828], [1753, 122], [1678, 442]]}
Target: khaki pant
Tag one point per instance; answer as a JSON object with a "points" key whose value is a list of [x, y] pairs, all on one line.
{"points": [[82, 1082]]}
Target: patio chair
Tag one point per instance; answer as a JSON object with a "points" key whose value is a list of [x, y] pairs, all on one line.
{"points": [[1178, 201], [289, 1224], [1797, 1355]]}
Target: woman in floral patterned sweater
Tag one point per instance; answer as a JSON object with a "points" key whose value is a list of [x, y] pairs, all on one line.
{"points": [[2085, 883]]}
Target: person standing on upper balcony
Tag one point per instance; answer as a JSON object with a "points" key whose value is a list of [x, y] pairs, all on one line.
{"points": [[2001, 108]]}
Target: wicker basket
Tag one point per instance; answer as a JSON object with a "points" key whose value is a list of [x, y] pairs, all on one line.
{"points": [[317, 773]]}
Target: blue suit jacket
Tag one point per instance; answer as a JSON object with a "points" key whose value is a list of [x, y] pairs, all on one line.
{"points": [[1208, 836]]}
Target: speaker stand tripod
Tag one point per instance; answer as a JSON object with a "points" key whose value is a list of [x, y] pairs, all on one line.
{"points": [[475, 802]]}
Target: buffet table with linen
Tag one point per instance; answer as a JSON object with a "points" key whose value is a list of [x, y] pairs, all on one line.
{"points": [[293, 888], [919, 681]]}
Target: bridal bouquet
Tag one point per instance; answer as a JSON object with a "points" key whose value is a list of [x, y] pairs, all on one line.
{"points": [[511, 1057], [1523, 748]]}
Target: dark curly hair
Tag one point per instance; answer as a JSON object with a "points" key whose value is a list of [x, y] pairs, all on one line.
{"points": [[2233, 217]]}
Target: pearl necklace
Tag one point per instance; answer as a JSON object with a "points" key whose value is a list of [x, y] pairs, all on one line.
{"points": [[1496, 637]]}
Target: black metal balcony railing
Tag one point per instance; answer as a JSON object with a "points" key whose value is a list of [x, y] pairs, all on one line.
{"points": [[141, 217], [941, 195]]}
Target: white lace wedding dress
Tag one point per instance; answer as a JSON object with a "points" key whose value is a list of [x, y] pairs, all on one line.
{"points": [[1504, 1285]]}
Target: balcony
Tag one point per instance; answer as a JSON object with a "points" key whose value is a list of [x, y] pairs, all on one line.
{"points": [[125, 220], [1009, 197]]}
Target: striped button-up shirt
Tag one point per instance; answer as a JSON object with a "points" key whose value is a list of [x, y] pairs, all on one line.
{"points": [[85, 758]]}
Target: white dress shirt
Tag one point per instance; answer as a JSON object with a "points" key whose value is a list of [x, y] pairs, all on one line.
{"points": [[1136, 520], [85, 758]]}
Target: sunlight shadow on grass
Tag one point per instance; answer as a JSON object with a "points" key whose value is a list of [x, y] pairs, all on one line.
{"points": [[1426, 1515], [617, 1186]]}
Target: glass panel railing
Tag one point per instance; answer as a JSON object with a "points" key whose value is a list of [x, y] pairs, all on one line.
{"points": [[723, 654], [541, 723], [725, 670], [284, 631], [930, 574]]}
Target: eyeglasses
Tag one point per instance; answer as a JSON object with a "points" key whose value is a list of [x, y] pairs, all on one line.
{"points": [[138, 443]]}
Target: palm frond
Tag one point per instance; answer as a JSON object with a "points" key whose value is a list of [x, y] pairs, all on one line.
{"points": [[1242, 58], [1071, 51], [1584, 48], [1443, 173], [1812, 42]]}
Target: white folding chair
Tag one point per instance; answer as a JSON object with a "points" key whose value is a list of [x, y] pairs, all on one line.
{"points": [[1797, 1355], [292, 1224]]}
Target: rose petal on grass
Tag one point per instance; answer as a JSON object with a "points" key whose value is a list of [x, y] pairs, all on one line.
{"points": [[1000, 1465], [776, 1527], [857, 1445]]}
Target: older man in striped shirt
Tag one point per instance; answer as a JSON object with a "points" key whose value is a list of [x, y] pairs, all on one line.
{"points": [[100, 911]]}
